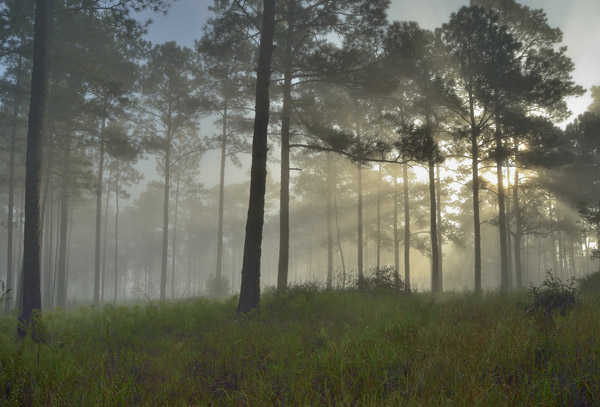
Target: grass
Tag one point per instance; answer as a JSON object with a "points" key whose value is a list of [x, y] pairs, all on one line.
{"points": [[309, 348]]}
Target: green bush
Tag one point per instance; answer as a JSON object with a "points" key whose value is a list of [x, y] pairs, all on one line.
{"points": [[377, 279], [553, 296], [589, 285]]}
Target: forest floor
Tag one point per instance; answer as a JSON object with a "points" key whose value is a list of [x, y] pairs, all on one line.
{"points": [[310, 348]]}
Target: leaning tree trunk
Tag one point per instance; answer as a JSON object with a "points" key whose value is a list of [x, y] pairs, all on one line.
{"points": [[436, 278], [165, 232], [284, 199], [61, 287], [406, 229], [250, 288], [32, 299], [97, 253]]}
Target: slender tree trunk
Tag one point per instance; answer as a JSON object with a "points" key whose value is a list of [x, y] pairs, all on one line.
{"points": [[561, 255], [11, 189], [379, 219], [436, 280], [49, 259], [504, 277], [102, 285], [518, 229], [250, 287], [99, 214], [476, 219], [339, 241], [438, 191], [330, 187], [61, 292], [221, 195], [44, 226], [116, 235], [174, 248], [32, 298], [284, 199], [165, 233], [396, 237], [406, 230], [509, 245]]}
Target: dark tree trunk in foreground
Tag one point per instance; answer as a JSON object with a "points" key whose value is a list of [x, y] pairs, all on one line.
{"points": [[284, 196], [518, 230], [436, 278], [250, 288], [438, 191], [99, 215], [174, 248], [339, 241], [39, 85], [406, 230], [103, 283], [396, 237], [378, 264], [11, 192], [504, 281], [116, 234]]}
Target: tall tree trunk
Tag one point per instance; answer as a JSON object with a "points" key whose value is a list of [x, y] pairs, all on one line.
{"points": [[11, 189], [438, 191], [174, 248], [504, 277], [250, 287], [509, 245], [518, 229], [436, 279], [165, 233], [221, 195], [406, 229], [339, 241], [102, 285], [330, 187], [61, 288], [116, 235], [379, 219], [396, 237], [44, 228], [99, 214], [284, 198], [476, 219], [32, 298]]}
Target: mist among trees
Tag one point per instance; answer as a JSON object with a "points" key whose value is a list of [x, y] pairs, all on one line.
{"points": [[298, 145]]}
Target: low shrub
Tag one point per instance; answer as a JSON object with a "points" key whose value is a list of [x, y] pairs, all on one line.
{"points": [[553, 296], [589, 285]]}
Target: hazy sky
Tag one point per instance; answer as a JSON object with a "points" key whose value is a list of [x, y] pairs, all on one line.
{"points": [[578, 19]]}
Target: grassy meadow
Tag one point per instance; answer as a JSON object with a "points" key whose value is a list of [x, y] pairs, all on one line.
{"points": [[310, 348]]}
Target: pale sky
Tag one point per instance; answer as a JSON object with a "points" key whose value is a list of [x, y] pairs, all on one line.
{"points": [[578, 19]]}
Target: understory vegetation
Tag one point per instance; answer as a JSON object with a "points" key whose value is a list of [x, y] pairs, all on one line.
{"points": [[311, 347]]}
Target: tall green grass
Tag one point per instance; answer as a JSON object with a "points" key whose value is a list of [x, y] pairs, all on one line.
{"points": [[309, 348]]}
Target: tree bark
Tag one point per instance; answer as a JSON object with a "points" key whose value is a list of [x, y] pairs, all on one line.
{"points": [[396, 237], [218, 271], [504, 277], [436, 280], [518, 230], [97, 253], [165, 233], [284, 199], [406, 230], [102, 285], [330, 187], [174, 248], [339, 242], [440, 238], [379, 219], [250, 287], [116, 235], [61, 288], [32, 300]]}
